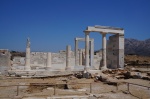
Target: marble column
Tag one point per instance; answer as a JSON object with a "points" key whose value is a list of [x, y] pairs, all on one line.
{"points": [[87, 50], [80, 57], [27, 59], [48, 62], [104, 50], [76, 52], [92, 53], [68, 56]]}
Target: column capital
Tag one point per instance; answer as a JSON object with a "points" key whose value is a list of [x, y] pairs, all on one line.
{"points": [[87, 32], [75, 39]]}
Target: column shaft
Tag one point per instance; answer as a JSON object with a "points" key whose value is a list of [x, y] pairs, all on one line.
{"points": [[68, 56], [92, 53], [80, 57], [27, 60], [48, 64], [104, 50], [76, 52], [86, 50]]}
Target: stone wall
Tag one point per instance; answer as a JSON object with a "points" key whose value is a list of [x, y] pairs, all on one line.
{"points": [[38, 60], [115, 51], [4, 57], [4, 60], [18, 61]]}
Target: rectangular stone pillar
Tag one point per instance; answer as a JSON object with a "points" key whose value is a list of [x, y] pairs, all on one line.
{"points": [[68, 56]]}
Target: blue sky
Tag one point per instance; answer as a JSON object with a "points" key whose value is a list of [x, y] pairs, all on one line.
{"points": [[53, 24]]}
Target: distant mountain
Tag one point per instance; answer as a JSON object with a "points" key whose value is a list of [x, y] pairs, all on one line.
{"points": [[134, 46]]}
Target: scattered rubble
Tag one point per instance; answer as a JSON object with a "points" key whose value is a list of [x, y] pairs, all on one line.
{"points": [[125, 74], [78, 75]]}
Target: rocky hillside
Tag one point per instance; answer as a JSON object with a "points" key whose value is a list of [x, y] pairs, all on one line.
{"points": [[137, 47]]}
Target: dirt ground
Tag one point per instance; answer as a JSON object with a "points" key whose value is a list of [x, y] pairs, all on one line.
{"points": [[98, 89], [140, 59]]}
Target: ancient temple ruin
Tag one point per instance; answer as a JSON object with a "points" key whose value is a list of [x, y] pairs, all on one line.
{"points": [[111, 55], [105, 30]]}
